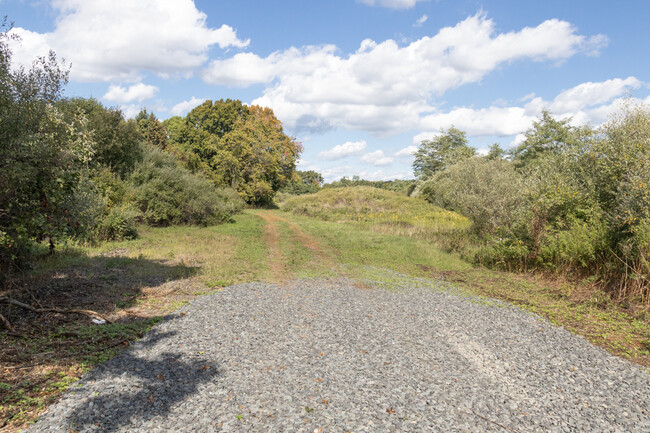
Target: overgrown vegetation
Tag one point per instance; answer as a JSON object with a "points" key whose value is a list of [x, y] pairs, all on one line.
{"points": [[573, 201], [75, 171]]}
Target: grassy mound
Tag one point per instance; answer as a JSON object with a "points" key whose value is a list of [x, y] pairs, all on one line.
{"points": [[382, 210]]}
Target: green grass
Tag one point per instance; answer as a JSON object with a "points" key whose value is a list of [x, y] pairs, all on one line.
{"points": [[218, 255], [355, 245], [377, 208]]}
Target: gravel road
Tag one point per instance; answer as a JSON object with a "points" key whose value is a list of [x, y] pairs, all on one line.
{"points": [[330, 356]]}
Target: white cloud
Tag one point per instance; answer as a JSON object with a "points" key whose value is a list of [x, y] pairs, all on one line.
{"points": [[184, 107], [383, 87], [407, 151], [137, 92], [519, 138], [393, 4], [585, 103], [350, 148], [590, 94], [499, 121], [423, 19], [111, 40], [377, 158]]}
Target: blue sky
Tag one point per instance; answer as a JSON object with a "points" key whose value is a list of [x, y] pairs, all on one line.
{"points": [[359, 82]]}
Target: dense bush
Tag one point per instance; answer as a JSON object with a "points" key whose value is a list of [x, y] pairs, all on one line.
{"points": [[489, 192], [572, 200], [168, 194]]}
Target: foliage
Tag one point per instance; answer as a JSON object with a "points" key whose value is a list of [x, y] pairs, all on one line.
{"points": [[574, 201], [152, 131], [548, 135], [403, 186], [115, 141], [43, 156], [441, 152], [168, 194], [496, 152], [304, 182], [237, 146], [486, 191]]}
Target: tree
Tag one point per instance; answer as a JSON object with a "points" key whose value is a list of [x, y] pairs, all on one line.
{"points": [[548, 135], [441, 152], [44, 155], [116, 141], [304, 182], [239, 146], [495, 152], [151, 129]]}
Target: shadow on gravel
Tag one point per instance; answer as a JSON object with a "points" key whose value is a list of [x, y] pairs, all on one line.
{"points": [[137, 389]]}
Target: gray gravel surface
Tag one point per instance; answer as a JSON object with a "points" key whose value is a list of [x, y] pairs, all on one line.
{"points": [[327, 356]]}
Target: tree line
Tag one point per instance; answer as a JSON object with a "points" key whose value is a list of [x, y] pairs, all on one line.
{"points": [[74, 170]]}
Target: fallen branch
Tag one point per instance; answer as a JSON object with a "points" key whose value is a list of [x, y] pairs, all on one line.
{"points": [[89, 313], [7, 324]]}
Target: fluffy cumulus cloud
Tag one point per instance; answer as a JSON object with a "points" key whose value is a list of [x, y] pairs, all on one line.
{"points": [[111, 40], [394, 4], [137, 92], [585, 103], [386, 88], [350, 148], [184, 107], [377, 158]]}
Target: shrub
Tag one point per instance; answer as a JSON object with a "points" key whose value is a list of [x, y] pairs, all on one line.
{"points": [[488, 192], [118, 223], [168, 194]]}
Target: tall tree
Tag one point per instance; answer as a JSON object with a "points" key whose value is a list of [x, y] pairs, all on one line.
{"points": [[548, 135], [239, 146], [43, 155], [441, 152]]}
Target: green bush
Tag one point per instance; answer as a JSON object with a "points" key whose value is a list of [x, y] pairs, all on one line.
{"points": [[119, 223], [168, 194], [488, 192]]}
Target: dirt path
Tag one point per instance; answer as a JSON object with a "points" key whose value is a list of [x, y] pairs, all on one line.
{"points": [[280, 271]]}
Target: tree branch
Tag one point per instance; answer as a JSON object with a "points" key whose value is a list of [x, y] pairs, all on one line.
{"points": [[89, 313]]}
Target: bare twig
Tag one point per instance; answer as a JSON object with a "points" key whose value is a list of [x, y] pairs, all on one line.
{"points": [[89, 313]]}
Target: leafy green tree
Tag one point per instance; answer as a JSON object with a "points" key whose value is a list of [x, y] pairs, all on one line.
{"points": [[116, 141], [548, 135], [153, 132], [174, 127], [495, 152], [304, 182], [238, 146], [441, 152], [44, 156]]}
